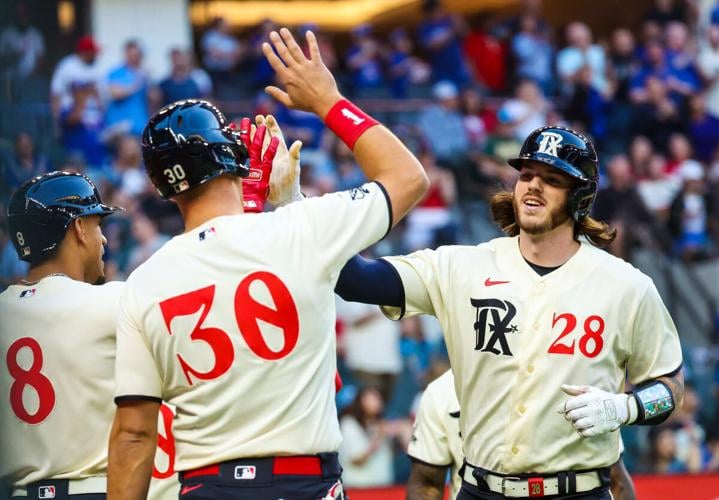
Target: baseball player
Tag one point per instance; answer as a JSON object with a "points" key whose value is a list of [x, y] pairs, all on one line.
{"points": [[232, 322], [543, 330], [54, 221], [436, 445], [57, 342]]}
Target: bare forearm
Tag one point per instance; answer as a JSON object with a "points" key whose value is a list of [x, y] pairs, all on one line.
{"points": [[133, 440], [621, 483], [426, 482], [676, 386], [130, 466]]}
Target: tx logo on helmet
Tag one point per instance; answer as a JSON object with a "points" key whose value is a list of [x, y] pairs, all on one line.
{"points": [[549, 143], [502, 312]]}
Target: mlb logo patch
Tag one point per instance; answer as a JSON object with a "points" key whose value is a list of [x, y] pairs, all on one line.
{"points": [[255, 174], [25, 251], [207, 234], [28, 293], [245, 472], [182, 186], [46, 492]]}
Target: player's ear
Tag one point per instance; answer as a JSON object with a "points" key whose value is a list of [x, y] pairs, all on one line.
{"points": [[79, 229]]}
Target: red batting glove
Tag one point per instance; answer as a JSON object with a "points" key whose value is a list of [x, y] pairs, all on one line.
{"points": [[256, 186]]}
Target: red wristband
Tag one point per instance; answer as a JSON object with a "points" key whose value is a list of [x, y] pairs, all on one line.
{"points": [[348, 122]]}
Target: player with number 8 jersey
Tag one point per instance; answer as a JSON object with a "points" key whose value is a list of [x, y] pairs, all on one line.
{"points": [[57, 343], [232, 322]]}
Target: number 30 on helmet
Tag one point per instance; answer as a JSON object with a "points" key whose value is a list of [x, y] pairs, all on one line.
{"points": [[188, 143]]}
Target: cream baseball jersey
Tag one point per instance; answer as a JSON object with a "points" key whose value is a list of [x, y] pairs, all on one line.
{"points": [[514, 337], [233, 324], [57, 341], [436, 439]]}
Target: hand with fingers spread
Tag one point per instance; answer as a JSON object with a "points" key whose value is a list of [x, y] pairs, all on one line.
{"points": [[285, 177], [255, 187], [593, 411], [309, 85]]}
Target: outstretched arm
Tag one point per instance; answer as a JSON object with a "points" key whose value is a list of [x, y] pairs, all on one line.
{"points": [[310, 86], [371, 281]]}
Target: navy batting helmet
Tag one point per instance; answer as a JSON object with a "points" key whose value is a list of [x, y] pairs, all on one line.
{"points": [[570, 152], [42, 208], [189, 142]]}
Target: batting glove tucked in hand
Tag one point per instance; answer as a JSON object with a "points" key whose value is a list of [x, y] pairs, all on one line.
{"points": [[255, 187], [593, 411], [285, 177]]}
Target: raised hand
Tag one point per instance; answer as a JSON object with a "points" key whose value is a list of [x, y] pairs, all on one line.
{"points": [[285, 177], [309, 85]]}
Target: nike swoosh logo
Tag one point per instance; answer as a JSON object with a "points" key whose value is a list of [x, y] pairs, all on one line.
{"points": [[489, 282], [187, 489]]}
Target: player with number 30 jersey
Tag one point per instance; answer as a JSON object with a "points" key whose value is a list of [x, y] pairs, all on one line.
{"points": [[232, 321]]}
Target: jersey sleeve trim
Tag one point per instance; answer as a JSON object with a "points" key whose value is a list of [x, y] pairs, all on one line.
{"points": [[136, 397], [403, 306], [424, 462], [650, 380], [389, 206], [673, 372]]}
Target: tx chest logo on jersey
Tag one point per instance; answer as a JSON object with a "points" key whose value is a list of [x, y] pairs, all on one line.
{"points": [[493, 321]]}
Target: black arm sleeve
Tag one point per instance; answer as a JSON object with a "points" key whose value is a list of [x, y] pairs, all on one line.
{"points": [[371, 281]]}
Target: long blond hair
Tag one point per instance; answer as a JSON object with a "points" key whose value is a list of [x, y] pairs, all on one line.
{"points": [[502, 207]]}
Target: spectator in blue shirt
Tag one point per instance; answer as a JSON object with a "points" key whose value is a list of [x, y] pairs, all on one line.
{"points": [[443, 126], [364, 60], [82, 125], [128, 86], [400, 63], [703, 129], [441, 35], [679, 82], [179, 84], [533, 53], [681, 59]]}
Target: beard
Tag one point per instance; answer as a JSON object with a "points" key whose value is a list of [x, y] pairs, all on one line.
{"points": [[554, 219]]}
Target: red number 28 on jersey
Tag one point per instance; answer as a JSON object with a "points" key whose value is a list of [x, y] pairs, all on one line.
{"points": [[247, 312]]}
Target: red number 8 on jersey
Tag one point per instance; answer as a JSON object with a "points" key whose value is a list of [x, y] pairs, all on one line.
{"points": [[29, 377], [247, 312]]}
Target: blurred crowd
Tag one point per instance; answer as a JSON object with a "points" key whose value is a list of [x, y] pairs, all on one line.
{"points": [[462, 94]]}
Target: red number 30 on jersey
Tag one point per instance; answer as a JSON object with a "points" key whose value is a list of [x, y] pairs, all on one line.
{"points": [[247, 313]]}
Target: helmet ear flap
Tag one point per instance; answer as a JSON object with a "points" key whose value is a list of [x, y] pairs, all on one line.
{"points": [[581, 200]]}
